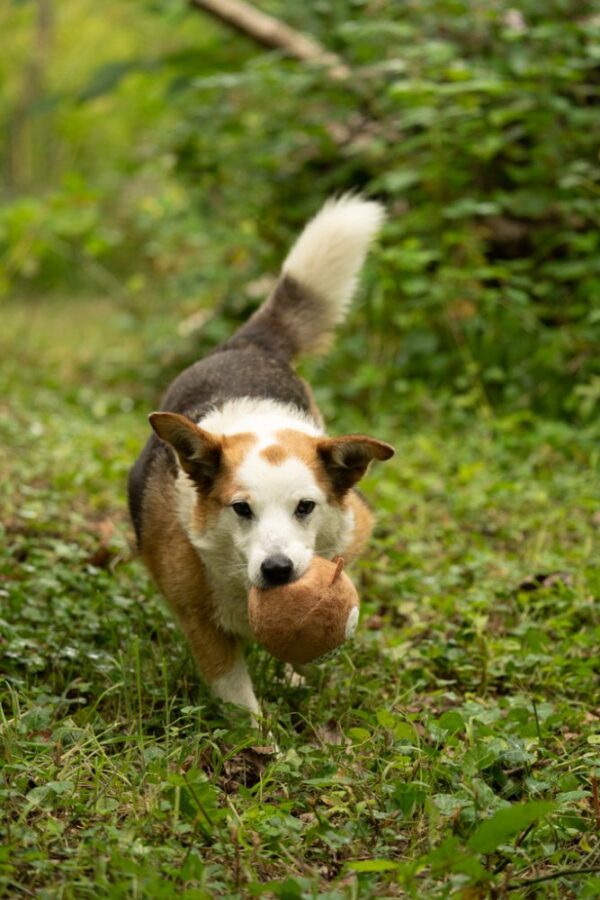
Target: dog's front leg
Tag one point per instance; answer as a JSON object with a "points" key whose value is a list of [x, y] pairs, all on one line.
{"points": [[181, 576], [235, 686], [220, 660]]}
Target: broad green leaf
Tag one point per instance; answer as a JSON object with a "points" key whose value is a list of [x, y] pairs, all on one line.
{"points": [[508, 822], [373, 865], [451, 721], [359, 734], [61, 787]]}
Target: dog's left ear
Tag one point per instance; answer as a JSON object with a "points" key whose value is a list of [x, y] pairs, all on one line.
{"points": [[346, 459], [199, 451]]}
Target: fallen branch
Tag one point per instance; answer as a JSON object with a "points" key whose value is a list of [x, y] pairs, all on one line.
{"points": [[274, 34], [560, 873]]}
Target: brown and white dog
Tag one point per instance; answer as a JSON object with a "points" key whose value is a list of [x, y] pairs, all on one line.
{"points": [[239, 485]]}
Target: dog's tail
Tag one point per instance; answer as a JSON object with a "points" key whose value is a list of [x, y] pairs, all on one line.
{"points": [[317, 280]]}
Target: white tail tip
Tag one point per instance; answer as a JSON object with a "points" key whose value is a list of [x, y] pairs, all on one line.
{"points": [[330, 252]]}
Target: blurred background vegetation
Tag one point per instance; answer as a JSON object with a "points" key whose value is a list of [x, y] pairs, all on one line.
{"points": [[152, 154]]}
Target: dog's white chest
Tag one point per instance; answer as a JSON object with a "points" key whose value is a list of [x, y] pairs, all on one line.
{"points": [[230, 601]]}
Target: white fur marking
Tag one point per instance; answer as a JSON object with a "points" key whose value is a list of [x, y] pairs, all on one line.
{"points": [[351, 623], [331, 250], [260, 416], [236, 687], [186, 497]]}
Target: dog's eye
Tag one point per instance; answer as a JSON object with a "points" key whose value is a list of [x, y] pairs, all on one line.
{"points": [[304, 508], [242, 509]]}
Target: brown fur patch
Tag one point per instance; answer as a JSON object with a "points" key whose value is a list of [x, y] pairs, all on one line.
{"points": [[304, 446], [206, 512], [234, 448], [180, 574], [275, 454], [363, 525]]}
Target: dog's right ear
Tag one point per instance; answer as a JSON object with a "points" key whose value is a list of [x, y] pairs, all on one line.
{"points": [[347, 458], [199, 452]]}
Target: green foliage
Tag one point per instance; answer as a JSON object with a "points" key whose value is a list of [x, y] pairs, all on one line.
{"points": [[476, 124]]}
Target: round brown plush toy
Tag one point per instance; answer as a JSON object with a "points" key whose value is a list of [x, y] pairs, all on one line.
{"points": [[308, 618]]}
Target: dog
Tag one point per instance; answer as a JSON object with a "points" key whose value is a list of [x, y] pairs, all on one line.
{"points": [[239, 485]]}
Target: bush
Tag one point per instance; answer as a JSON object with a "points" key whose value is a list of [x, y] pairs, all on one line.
{"points": [[474, 123]]}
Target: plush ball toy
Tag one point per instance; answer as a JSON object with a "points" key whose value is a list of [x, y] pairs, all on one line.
{"points": [[308, 618]]}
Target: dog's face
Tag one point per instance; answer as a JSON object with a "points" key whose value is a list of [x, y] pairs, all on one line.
{"points": [[268, 505]]}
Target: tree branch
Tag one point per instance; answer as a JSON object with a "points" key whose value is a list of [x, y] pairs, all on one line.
{"points": [[274, 34], [552, 876]]}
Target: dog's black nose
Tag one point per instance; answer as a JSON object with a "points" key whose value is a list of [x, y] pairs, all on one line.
{"points": [[277, 569]]}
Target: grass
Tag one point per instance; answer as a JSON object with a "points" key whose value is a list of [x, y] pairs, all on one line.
{"points": [[453, 750]]}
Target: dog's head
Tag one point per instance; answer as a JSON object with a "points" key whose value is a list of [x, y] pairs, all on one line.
{"points": [[269, 503]]}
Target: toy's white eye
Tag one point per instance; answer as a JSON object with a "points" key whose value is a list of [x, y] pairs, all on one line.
{"points": [[351, 623], [242, 509], [304, 508]]}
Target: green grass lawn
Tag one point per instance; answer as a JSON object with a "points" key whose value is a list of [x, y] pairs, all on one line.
{"points": [[452, 750]]}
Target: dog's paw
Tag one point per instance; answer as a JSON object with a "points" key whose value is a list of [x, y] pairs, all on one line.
{"points": [[293, 677]]}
